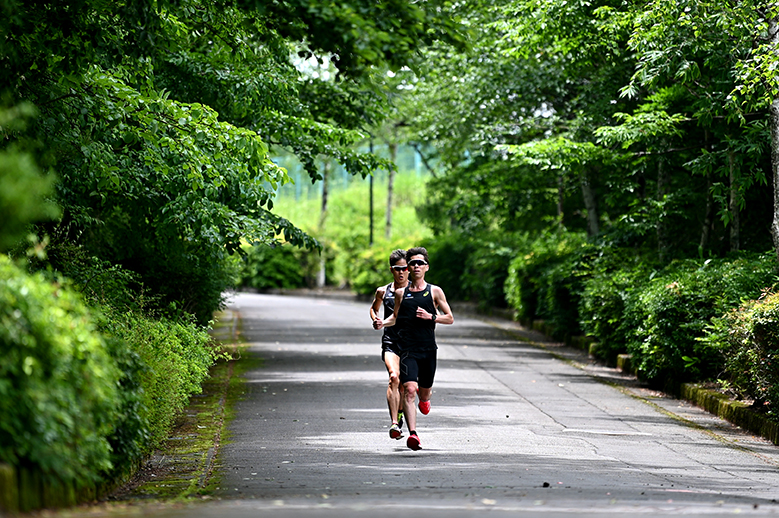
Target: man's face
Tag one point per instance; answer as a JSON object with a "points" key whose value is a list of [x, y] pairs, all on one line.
{"points": [[417, 266], [400, 271]]}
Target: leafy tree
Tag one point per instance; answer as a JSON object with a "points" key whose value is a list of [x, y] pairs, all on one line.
{"points": [[158, 117], [688, 55], [655, 93], [24, 190]]}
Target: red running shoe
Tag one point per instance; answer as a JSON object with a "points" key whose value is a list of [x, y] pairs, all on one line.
{"points": [[395, 432], [424, 407], [413, 442]]}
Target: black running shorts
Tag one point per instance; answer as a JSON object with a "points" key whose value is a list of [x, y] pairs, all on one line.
{"points": [[418, 367], [392, 347]]}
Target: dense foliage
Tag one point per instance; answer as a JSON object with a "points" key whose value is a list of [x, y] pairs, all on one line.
{"points": [[604, 166], [58, 384], [674, 307], [747, 337], [267, 268], [628, 147], [164, 362], [544, 283], [158, 119], [86, 396]]}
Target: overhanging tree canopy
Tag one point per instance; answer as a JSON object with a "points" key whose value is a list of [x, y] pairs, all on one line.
{"points": [[157, 117]]}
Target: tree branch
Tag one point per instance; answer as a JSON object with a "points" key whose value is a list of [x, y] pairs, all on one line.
{"points": [[424, 160]]}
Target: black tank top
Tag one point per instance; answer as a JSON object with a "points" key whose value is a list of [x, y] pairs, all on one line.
{"points": [[390, 335], [417, 334]]}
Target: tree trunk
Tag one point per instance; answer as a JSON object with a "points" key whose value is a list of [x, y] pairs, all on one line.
{"points": [[393, 149], [708, 215], [321, 277], [325, 181], [560, 199], [773, 30], [662, 190], [370, 203], [590, 204], [733, 203], [425, 160]]}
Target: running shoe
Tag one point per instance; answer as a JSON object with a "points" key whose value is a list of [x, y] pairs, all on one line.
{"points": [[424, 407], [400, 419], [395, 432], [413, 442]]}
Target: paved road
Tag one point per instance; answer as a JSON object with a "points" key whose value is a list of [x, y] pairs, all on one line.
{"points": [[513, 430]]}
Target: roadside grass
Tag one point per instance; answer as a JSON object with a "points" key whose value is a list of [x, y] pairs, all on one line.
{"points": [[186, 467]]}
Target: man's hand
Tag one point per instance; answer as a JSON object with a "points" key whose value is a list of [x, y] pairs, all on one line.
{"points": [[378, 323], [423, 314]]}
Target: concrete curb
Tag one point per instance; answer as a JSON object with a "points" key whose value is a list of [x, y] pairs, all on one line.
{"points": [[736, 412], [22, 490]]}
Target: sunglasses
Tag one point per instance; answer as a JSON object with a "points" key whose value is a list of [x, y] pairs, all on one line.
{"points": [[400, 268], [417, 262]]}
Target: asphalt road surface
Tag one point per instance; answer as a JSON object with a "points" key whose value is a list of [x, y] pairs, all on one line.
{"points": [[514, 430]]}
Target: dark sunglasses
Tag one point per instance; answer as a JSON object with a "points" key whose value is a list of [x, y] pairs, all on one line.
{"points": [[417, 262], [400, 268]]}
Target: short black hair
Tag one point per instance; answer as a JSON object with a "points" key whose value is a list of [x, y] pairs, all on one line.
{"points": [[418, 250], [396, 256]]}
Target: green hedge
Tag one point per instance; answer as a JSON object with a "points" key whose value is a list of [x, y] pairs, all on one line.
{"points": [[659, 316], [165, 361], [748, 337], [58, 385], [545, 281], [608, 310], [85, 394], [265, 268], [676, 306]]}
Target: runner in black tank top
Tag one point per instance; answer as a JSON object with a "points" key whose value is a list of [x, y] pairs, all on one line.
{"points": [[416, 314], [417, 335], [390, 342]]}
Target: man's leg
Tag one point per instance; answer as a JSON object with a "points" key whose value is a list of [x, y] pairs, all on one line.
{"points": [[410, 409], [408, 376], [427, 369], [392, 361], [424, 399]]}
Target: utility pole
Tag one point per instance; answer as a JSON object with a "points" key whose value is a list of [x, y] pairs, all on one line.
{"points": [[370, 204]]}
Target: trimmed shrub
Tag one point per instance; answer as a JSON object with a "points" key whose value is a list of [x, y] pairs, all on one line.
{"points": [[267, 268], [165, 363], [748, 337], [58, 384], [85, 395], [607, 308], [449, 256], [488, 268], [675, 307], [545, 281]]}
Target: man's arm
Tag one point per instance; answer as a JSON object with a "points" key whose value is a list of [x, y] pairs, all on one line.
{"points": [[378, 300], [439, 298], [392, 319]]}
